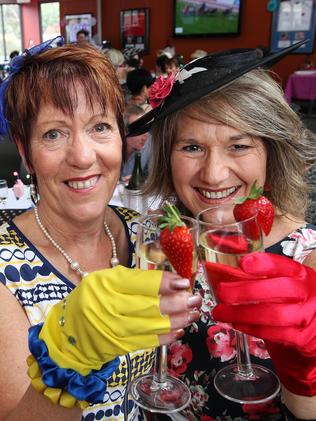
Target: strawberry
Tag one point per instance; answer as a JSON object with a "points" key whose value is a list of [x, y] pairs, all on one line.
{"points": [[176, 241], [246, 207], [228, 243]]}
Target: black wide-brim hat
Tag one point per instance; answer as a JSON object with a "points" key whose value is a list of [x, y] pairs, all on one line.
{"points": [[205, 75]]}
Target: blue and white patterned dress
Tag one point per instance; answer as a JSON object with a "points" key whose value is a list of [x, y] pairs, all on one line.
{"points": [[38, 285]]}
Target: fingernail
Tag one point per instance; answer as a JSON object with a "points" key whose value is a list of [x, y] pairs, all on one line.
{"points": [[180, 283], [193, 316], [193, 301], [178, 334]]}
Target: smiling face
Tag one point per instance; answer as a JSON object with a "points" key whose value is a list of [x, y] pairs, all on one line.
{"points": [[212, 163], [76, 159]]}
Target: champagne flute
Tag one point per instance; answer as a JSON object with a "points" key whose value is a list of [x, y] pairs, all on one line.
{"points": [[4, 191], [223, 240], [158, 391]]}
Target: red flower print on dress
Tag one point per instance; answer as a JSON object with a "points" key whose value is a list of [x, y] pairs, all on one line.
{"points": [[257, 411], [199, 398], [299, 244], [221, 341], [160, 90], [178, 358], [206, 418], [257, 348]]}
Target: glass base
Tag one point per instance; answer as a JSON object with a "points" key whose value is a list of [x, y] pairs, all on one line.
{"points": [[167, 397], [261, 386]]}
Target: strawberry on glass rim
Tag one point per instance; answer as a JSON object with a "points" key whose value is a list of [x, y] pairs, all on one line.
{"points": [[255, 203], [176, 241]]}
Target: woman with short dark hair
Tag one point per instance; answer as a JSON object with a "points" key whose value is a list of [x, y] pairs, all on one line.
{"points": [[68, 292]]}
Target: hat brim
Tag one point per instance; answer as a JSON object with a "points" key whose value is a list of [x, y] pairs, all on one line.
{"points": [[176, 101]]}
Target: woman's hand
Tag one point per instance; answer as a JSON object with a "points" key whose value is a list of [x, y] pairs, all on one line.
{"points": [[116, 311], [274, 298], [112, 312], [177, 301]]}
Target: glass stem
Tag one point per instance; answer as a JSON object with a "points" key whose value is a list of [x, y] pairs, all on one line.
{"points": [[161, 366], [243, 357]]}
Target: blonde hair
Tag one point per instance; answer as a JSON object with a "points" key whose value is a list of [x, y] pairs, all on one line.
{"points": [[253, 104]]}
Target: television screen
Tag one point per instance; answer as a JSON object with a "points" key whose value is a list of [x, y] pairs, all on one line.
{"points": [[206, 18]]}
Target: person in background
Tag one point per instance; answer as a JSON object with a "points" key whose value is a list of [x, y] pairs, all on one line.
{"points": [[133, 58], [69, 295], [174, 66], [198, 54], [169, 51], [13, 54], [106, 45], [117, 59], [138, 82], [164, 65], [135, 144], [5, 68], [220, 126], [82, 37]]}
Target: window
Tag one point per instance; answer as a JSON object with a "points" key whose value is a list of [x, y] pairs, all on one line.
{"points": [[50, 27], [10, 30]]}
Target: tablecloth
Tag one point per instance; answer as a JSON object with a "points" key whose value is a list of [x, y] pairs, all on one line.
{"points": [[301, 85], [121, 197]]}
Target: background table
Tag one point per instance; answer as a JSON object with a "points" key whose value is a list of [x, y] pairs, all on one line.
{"points": [[13, 206], [12, 202], [301, 85], [121, 197], [129, 199]]}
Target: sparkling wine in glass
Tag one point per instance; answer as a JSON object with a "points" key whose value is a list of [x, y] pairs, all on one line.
{"points": [[158, 391], [4, 191], [223, 240]]}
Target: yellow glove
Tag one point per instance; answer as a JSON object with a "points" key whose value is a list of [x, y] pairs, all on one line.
{"points": [[112, 312]]}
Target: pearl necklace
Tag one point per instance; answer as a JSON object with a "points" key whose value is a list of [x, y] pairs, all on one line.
{"points": [[73, 263]]}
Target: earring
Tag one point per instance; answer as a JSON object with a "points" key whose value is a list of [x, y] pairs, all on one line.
{"points": [[33, 190], [266, 187]]}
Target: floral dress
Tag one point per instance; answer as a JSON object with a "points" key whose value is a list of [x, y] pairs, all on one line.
{"points": [[208, 346]]}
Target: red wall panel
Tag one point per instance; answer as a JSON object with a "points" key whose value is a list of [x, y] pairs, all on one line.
{"points": [[30, 23]]}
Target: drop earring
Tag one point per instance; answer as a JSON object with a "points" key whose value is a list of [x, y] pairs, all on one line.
{"points": [[266, 187], [33, 190]]}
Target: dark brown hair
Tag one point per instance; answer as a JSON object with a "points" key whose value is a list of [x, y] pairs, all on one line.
{"points": [[53, 76]]}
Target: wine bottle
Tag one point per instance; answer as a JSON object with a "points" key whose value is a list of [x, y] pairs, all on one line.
{"points": [[137, 176]]}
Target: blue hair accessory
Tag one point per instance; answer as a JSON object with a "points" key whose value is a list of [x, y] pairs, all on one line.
{"points": [[90, 388], [16, 65]]}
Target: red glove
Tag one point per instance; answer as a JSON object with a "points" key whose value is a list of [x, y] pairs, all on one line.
{"points": [[274, 298]]}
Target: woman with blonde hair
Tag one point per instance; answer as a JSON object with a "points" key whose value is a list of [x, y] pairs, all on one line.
{"points": [[218, 127]]}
